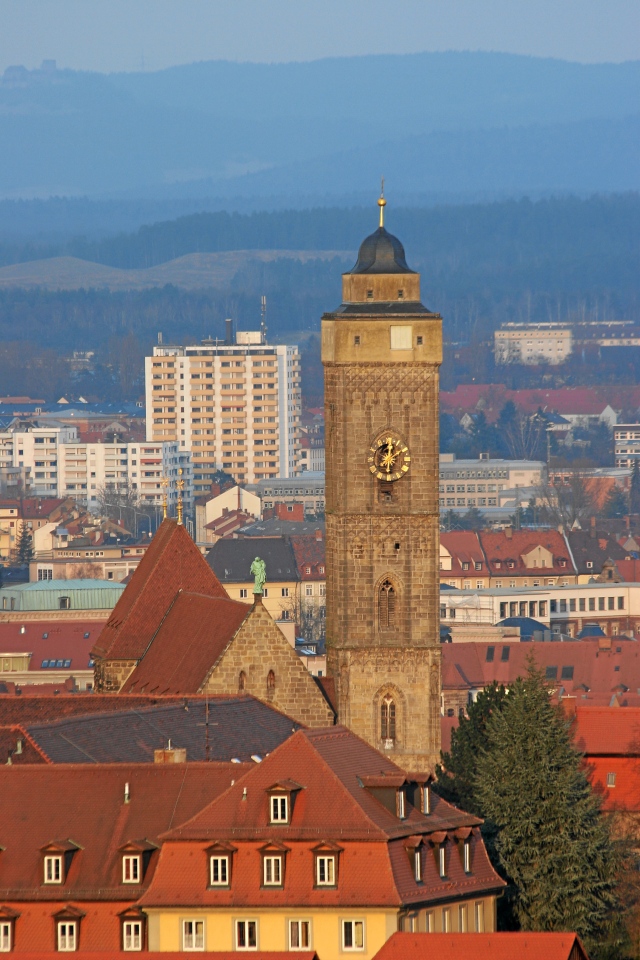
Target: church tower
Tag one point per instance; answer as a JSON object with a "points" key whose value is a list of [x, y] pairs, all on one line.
{"points": [[381, 351]]}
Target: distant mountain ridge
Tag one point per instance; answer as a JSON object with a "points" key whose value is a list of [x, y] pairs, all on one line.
{"points": [[220, 128]]}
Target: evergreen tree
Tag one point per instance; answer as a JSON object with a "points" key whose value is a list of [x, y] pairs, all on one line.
{"points": [[456, 777], [24, 545], [473, 519], [551, 839], [634, 492], [615, 505]]}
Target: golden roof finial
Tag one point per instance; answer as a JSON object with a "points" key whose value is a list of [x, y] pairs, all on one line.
{"points": [[382, 202], [180, 485], [165, 483]]}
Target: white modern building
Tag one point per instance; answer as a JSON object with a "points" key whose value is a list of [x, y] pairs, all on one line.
{"points": [[479, 483], [626, 439], [235, 406], [533, 343]]}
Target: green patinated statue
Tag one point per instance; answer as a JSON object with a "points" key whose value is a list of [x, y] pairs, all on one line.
{"points": [[259, 571]]}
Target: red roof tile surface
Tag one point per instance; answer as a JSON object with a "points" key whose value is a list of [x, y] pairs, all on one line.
{"points": [[172, 563], [607, 731], [331, 804], [51, 641], [500, 548], [18, 747], [595, 672], [191, 639], [482, 946], [37, 704], [310, 554], [617, 779]]}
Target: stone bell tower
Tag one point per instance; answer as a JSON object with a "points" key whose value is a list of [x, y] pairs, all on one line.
{"points": [[381, 351]]}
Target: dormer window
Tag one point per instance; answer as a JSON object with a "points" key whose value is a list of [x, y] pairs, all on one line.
{"points": [[67, 929], [401, 804], [272, 871], [219, 871], [8, 918], [466, 855], [53, 870], [426, 799], [280, 809], [498, 564], [478, 565], [417, 864], [326, 871], [465, 564], [131, 872], [442, 860]]}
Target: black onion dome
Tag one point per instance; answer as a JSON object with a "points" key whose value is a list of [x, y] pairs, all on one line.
{"points": [[381, 253]]}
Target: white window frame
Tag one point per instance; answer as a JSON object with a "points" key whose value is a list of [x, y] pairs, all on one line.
{"points": [[400, 803], [192, 939], [272, 871], [353, 925], [611, 780], [442, 860], [132, 862], [6, 938], [467, 856], [67, 936], [132, 935], [326, 864], [463, 918], [279, 808], [417, 864], [430, 922], [479, 916], [245, 926], [426, 799], [446, 919], [222, 863], [298, 927], [53, 869]]}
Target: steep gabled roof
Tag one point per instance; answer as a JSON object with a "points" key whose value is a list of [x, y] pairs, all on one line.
{"points": [[333, 802], [87, 805], [502, 548], [607, 731], [172, 563], [189, 642]]}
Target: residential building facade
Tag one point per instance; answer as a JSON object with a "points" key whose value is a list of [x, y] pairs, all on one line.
{"points": [[308, 490], [478, 483], [233, 406], [533, 343]]}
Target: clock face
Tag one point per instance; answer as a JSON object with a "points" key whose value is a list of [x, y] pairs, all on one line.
{"points": [[389, 458]]}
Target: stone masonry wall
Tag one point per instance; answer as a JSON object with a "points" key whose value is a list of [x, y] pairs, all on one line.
{"points": [[257, 648]]}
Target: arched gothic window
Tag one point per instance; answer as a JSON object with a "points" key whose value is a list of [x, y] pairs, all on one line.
{"points": [[388, 719], [271, 684], [242, 681], [387, 605]]}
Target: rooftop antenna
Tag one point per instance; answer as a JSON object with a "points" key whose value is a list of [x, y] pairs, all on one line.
{"points": [[382, 202], [263, 319]]}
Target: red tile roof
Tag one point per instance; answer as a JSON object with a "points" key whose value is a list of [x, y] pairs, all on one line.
{"points": [[18, 747], [482, 946], [607, 731], [171, 955], [329, 804], [191, 639], [463, 547], [37, 704], [617, 779], [172, 563], [595, 671], [51, 641], [498, 547], [34, 507], [86, 804], [310, 554]]}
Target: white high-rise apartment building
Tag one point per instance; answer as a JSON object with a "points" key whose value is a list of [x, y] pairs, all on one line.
{"points": [[234, 406], [55, 463]]}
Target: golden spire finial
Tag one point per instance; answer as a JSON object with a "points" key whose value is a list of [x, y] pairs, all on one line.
{"points": [[382, 202], [165, 483], [180, 485]]}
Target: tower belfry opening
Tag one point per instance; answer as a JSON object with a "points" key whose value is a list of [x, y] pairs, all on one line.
{"points": [[381, 350]]}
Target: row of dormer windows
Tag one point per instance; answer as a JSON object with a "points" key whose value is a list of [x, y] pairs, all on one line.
{"points": [[326, 870], [67, 935], [55, 872]]}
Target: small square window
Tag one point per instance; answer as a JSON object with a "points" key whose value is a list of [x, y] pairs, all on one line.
{"points": [[551, 673], [219, 871], [193, 934], [356, 341], [67, 936], [6, 944], [53, 869], [567, 673], [246, 934], [272, 871], [132, 935], [279, 809], [325, 871], [131, 872], [353, 934], [419, 341], [299, 934]]}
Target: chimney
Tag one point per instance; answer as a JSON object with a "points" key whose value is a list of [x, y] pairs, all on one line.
{"points": [[170, 754], [228, 332], [508, 532]]}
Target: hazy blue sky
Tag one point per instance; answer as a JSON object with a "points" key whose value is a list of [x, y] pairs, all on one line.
{"points": [[109, 35]]}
